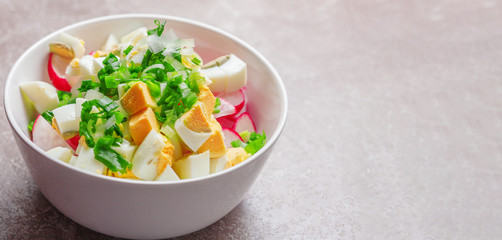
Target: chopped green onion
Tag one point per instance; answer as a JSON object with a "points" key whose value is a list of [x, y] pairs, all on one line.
{"points": [[245, 135], [256, 142], [48, 115], [109, 157], [110, 82], [217, 106], [167, 130], [64, 97], [159, 29], [196, 61], [128, 49], [30, 125], [153, 88], [238, 143], [88, 85]]}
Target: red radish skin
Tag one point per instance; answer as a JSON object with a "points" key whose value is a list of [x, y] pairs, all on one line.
{"points": [[73, 142], [237, 99], [229, 136], [226, 122], [58, 82], [45, 137], [244, 123], [226, 109]]}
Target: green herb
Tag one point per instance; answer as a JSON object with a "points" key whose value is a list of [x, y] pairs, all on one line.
{"points": [[179, 95], [88, 85], [128, 49], [238, 143], [30, 125], [64, 97], [48, 115], [154, 88], [217, 106], [107, 115], [256, 142], [159, 29], [109, 157], [245, 135], [110, 82], [196, 61]]}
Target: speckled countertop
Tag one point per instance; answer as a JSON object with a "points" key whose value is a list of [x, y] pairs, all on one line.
{"points": [[394, 128]]}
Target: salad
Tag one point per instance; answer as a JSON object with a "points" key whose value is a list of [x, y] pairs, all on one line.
{"points": [[144, 107]]}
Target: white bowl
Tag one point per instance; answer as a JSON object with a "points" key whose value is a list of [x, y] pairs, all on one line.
{"points": [[140, 209]]}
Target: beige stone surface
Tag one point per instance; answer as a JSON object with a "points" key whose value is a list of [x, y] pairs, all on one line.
{"points": [[394, 128]]}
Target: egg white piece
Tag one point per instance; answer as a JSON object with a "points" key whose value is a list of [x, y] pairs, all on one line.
{"points": [[126, 150], [236, 70], [217, 164], [147, 155], [196, 165], [61, 153], [86, 161], [110, 43], [75, 44], [168, 175], [133, 37], [218, 78], [227, 73], [66, 118], [43, 95], [192, 139]]}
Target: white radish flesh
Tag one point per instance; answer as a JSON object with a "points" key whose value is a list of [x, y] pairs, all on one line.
{"points": [[244, 123], [45, 137], [229, 136], [236, 98], [226, 109]]}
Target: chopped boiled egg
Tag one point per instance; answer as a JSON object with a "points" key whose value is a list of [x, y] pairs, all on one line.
{"points": [[66, 118], [168, 175], [227, 73], [146, 158], [43, 95], [62, 153], [192, 166], [87, 161]]}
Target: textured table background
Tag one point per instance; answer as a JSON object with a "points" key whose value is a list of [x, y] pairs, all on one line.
{"points": [[394, 128]]}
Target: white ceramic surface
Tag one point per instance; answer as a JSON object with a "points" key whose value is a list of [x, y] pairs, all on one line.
{"points": [[135, 209]]}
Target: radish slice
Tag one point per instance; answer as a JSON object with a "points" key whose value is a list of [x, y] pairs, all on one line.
{"points": [[244, 123], [45, 136], [229, 136], [226, 109], [236, 98], [73, 142], [226, 122], [58, 82]]}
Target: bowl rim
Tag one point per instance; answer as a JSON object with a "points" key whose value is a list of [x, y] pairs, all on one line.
{"points": [[270, 140]]}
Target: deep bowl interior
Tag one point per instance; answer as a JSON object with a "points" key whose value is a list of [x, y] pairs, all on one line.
{"points": [[90, 199]]}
